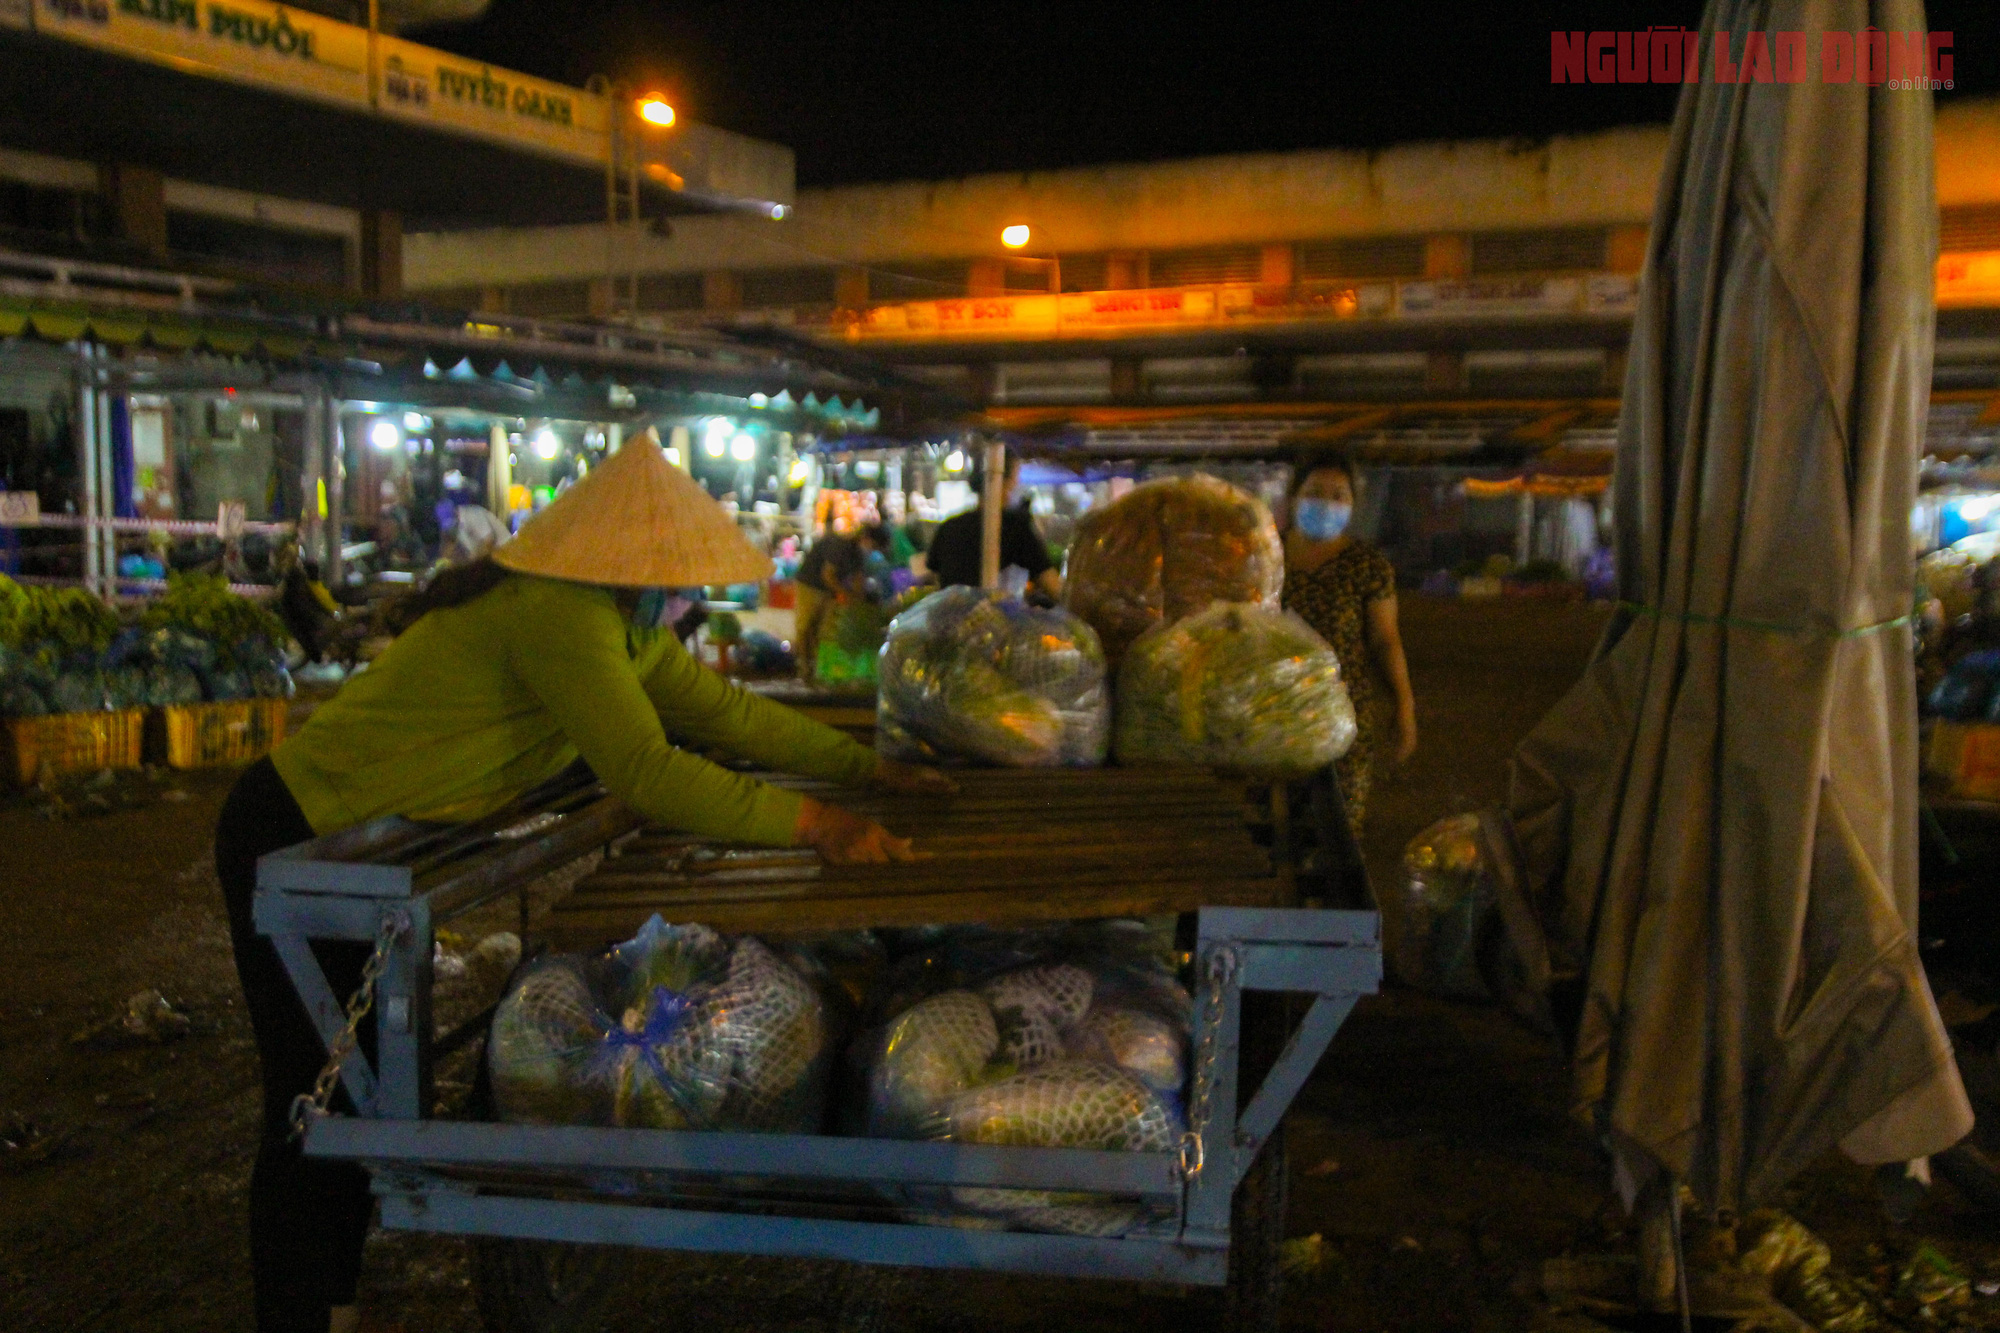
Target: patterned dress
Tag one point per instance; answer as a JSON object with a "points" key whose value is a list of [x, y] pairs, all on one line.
{"points": [[1334, 598]]}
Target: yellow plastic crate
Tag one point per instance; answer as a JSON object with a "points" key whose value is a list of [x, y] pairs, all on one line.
{"points": [[49, 747], [238, 731]]}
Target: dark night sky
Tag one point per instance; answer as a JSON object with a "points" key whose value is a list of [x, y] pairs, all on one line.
{"points": [[886, 91]]}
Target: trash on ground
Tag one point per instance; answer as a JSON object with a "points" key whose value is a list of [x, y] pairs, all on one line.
{"points": [[146, 1019]]}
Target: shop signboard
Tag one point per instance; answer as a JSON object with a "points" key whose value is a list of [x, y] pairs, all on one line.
{"points": [[20, 509], [1969, 278], [1489, 297], [425, 85], [243, 41], [1611, 293]]}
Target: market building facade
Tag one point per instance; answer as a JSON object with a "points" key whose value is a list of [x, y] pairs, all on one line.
{"points": [[1454, 313]]}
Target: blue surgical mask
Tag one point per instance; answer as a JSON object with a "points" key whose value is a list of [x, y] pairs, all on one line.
{"points": [[1322, 520]]}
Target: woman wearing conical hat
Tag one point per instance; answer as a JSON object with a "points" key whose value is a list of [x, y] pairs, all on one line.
{"points": [[513, 667]]}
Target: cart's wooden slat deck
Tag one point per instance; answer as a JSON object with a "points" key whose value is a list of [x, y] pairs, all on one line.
{"points": [[1013, 847]]}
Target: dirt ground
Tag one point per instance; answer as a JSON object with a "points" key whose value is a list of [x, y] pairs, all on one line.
{"points": [[1432, 1153]]}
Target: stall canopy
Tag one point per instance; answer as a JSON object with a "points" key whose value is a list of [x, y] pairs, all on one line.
{"points": [[1717, 826]]}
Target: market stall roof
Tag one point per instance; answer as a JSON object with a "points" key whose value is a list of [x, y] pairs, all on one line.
{"points": [[426, 357]]}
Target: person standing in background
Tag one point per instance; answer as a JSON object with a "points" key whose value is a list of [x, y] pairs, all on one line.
{"points": [[954, 550], [834, 568], [1346, 590]]}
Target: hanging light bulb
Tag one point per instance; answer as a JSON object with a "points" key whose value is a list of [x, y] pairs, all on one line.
{"points": [[743, 448], [955, 461], [385, 436], [715, 438], [801, 469], [547, 446]]}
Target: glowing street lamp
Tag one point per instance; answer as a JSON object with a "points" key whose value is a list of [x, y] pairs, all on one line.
{"points": [[1015, 236], [655, 111]]}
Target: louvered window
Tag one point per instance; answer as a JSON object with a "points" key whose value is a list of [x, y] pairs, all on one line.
{"points": [[1193, 268], [549, 299], [1362, 257], [776, 287], [1975, 227], [1085, 273], [1538, 251], [922, 280], [670, 291]]}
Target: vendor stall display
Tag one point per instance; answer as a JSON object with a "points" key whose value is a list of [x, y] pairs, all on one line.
{"points": [[1242, 688], [970, 675], [1168, 549]]}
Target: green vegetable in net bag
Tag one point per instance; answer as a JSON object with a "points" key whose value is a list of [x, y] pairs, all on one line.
{"points": [[1237, 687], [973, 675]]}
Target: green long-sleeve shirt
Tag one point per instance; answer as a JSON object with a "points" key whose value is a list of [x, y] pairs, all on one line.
{"points": [[475, 704]]}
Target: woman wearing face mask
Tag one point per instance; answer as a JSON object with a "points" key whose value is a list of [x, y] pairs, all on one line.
{"points": [[1346, 590]]}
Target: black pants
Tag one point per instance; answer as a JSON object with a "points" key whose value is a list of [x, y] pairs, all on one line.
{"points": [[308, 1218]]}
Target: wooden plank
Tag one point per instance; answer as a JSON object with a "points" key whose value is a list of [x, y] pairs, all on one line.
{"points": [[586, 926]]}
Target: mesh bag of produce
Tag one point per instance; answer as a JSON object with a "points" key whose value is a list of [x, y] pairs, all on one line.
{"points": [[1441, 911], [677, 1028], [1238, 687], [545, 1032], [1167, 549], [1088, 1051], [973, 675]]}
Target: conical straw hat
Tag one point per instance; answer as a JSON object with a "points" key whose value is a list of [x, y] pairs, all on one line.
{"points": [[636, 521]]}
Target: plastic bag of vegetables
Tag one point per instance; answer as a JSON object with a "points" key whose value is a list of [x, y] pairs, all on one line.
{"points": [[972, 675], [1237, 687], [1167, 549], [1082, 1051], [677, 1028], [1441, 911], [54, 641]]}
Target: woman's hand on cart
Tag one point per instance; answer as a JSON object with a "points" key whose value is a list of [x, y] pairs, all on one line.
{"points": [[846, 839], [911, 779]]}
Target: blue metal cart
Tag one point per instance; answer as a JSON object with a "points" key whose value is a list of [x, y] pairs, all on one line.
{"points": [[1015, 847]]}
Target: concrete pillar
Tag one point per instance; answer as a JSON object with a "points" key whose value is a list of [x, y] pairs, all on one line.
{"points": [[721, 291], [985, 377], [988, 277], [1447, 256], [850, 288], [1273, 373], [1275, 265], [381, 253], [1444, 371], [1625, 249], [137, 197], [1128, 379], [1524, 529]]}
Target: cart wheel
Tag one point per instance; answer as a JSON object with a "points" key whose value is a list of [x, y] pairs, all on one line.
{"points": [[525, 1286], [1253, 1300]]}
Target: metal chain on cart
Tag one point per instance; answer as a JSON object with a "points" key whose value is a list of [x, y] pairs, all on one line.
{"points": [[314, 1103], [1221, 967]]}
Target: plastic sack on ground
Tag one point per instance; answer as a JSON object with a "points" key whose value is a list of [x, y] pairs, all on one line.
{"points": [[677, 1028], [1237, 687], [1167, 549], [967, 674], [1440, 910], [1088, 1051]]}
